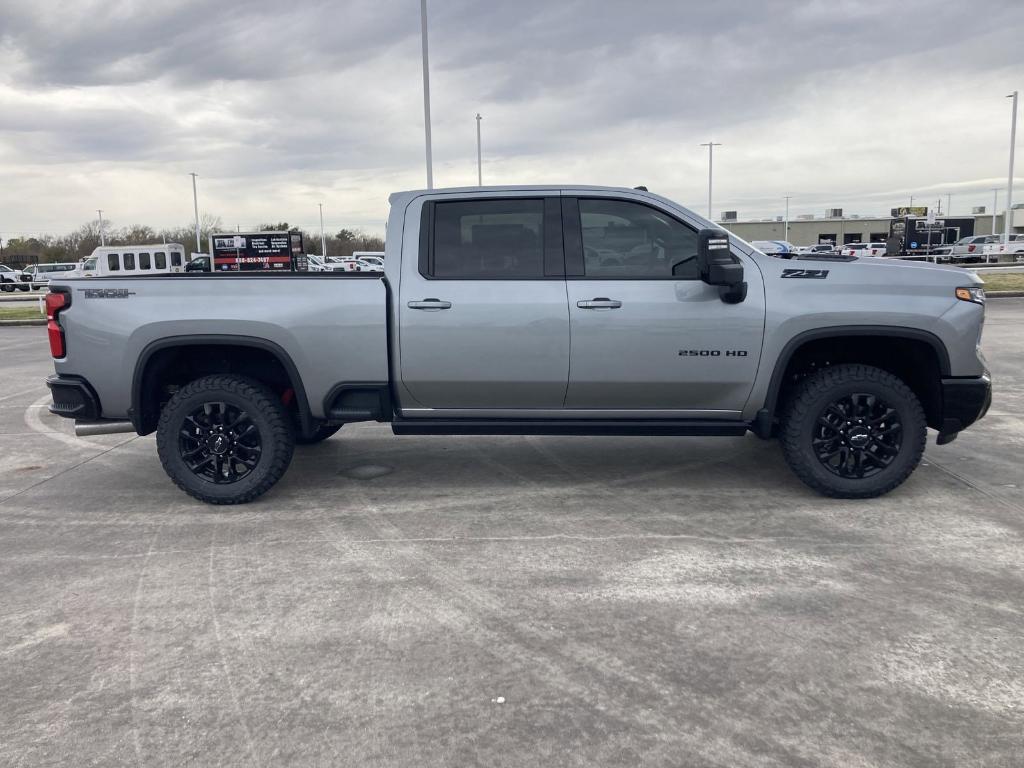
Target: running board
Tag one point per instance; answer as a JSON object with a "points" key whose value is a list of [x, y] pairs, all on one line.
{"points": [[640, 427]]}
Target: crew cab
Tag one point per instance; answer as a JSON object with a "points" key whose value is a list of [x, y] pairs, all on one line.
{"points": [[531, 310]]}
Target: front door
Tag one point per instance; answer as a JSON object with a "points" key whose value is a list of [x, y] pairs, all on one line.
{"points": [[484, 323], [646, 332]]}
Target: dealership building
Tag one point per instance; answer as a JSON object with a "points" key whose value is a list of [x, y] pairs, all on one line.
{"points": [[835, 228]]}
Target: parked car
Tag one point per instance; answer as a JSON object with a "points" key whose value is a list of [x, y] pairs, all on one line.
{"points": [[10, 279], [38, 275], [503, 321], [782, 248], [965, 249], [199, 264], [992, 251], [819, 248], [863, 249], [317, 264]]}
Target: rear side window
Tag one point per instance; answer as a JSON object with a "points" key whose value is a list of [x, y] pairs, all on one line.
{"points": [[144, 261], [113, 262], [129, 261], [626, 240], [175, 259], [498, 239]]}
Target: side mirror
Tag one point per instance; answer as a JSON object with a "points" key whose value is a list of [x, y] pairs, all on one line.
{"points": [[719, 267]]}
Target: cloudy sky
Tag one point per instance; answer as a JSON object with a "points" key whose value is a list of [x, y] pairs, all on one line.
{"points": [[280, 105]]}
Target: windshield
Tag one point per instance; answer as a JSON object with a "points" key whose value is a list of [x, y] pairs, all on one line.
{"points": [[89, 264]]}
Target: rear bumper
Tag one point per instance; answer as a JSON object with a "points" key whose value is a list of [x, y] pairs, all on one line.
{"points": [[964, 401], [73, 398]]}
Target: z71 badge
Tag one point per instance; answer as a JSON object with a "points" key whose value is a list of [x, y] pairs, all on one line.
{"points": [[810, 274]]}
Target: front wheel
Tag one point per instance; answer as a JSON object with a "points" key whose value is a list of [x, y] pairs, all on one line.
{"points": [[853, 432], [225, 439], [6, 287]]}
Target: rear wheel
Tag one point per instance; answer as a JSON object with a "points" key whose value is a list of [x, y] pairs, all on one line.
{"points": [[225, 439], [853, 431], [6, 287]]}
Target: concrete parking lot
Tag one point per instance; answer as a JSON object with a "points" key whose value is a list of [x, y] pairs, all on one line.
{"points": [[520, 601]]}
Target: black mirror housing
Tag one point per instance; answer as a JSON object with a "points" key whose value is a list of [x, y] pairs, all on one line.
{"points": [[719, 267]]}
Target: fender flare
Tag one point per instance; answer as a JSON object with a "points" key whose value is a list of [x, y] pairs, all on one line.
{"points": [[193, 340], [765, 418]]}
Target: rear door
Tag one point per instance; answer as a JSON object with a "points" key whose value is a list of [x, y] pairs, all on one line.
{"points": [[483, 317], [646, 332]]}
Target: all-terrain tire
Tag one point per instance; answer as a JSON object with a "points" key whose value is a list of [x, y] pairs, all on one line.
{"points": [[322, 433], [264, 410], [802, 424]]}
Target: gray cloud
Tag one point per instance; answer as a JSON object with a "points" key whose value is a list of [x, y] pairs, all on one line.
{"points": [[275, 103]]}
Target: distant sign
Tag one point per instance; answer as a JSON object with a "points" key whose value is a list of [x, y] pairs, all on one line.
{"points": [[256, 251], [910, 210]]}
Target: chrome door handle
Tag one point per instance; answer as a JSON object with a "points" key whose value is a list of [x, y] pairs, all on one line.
{"points": [[429, 304], [599, 303]]}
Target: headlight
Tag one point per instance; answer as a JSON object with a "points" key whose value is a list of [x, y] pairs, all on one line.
{"points": [[975, 294]]}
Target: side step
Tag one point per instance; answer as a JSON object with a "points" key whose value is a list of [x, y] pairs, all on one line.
{"points": [[640, 427]]}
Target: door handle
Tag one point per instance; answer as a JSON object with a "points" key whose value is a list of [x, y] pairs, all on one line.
{"points": [[599, 303], [434, 304]]}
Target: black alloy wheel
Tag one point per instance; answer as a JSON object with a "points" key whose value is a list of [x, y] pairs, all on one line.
{"points": [[220, 443], [858, 435]]}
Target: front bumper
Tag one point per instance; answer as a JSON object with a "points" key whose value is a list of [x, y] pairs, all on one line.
{"points": [[73, 398], [964, 401]]}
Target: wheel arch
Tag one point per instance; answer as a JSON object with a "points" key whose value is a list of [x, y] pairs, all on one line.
{"points": [[144, 410], [886, 340]]}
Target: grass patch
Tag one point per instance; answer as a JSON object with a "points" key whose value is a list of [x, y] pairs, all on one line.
{"points": [[1003, 282], [29, 312]]}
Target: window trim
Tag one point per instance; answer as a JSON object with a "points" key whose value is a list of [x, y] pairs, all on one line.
{"points": [[572, 228], [552, 251]]}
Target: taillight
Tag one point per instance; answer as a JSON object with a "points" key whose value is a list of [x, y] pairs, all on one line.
{"points": [[55, 302], [970, 248]]}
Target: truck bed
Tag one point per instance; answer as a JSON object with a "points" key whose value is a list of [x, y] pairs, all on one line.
{"points": [[332, 326]]}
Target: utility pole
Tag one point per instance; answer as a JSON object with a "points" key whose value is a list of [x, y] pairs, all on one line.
{"points": [[785, 236], [99, 212], [1008, 223], [479, 155], [949, 204], [323, 238], [995, 207], [426, 93], [195, 205], [711, 159]]}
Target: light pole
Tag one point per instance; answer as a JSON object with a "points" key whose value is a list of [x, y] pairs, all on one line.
{"points": [[426, 93], [99, 212], [479, 156], [1008, 223], [711, 159], [785, 235], [949, 203], [323, 239], [195, 205], [995, 207]]}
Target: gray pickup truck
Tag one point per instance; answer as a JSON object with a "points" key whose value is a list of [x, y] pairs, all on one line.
{"points": [[531, 310]]}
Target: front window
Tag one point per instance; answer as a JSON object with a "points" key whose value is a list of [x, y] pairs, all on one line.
{"points": [[629, 240]]}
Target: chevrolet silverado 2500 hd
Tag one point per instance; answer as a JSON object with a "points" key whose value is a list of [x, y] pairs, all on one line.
{"points": [[531, 310]]}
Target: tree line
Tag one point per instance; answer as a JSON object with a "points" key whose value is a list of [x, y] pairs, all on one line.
{"points": [[80, 243]]}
